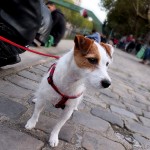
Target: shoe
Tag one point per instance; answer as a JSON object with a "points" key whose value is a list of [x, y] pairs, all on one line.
{"points": [[3, 61], [143, 62], [54, 45], [13, 60], [9, 61]]}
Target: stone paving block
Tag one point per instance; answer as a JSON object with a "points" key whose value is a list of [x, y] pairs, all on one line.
{"points": [[48, 64], [13, 90], [94, 100], [43, 68], [146, 93], [148, 108], [90, 121], [119, 79], [22, 82], [81, 106], [145, 121], [59, 147], [123, 112], [134, 109], [111, 101], [69, 146], [138, 128], [30, 75], [103, 100], [49, 108], [134, 103], [63, 146], [109, 93], [37, 71], [46, 124], [143, 141], [11, 108], [108, 116], [15, 140], [120, 89], [141, 98], [146, 114], [93, 141]]}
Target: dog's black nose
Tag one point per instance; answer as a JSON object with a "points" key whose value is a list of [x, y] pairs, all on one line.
{"points": [[105, 83]]}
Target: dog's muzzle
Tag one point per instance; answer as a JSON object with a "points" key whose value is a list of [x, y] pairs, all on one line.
{"points": [[105, 83]]}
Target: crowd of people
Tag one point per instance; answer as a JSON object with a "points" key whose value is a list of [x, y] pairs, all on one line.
{"points": [[127, 43], [131, 45]]}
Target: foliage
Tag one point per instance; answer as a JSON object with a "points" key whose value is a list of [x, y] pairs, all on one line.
{"points": [[76, 19], [70, 1], [128, 16]]}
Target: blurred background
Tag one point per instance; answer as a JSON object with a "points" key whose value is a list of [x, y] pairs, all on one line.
{"points": [[113, 18]]}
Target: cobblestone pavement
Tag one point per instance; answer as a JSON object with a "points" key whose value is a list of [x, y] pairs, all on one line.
{"points": [[117, 118]]}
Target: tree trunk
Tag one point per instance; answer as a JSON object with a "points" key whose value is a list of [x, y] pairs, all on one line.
{"points": [[148, 15]]}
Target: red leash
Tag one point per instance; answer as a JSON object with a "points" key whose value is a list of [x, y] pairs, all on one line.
{"points": [[27, 49]]}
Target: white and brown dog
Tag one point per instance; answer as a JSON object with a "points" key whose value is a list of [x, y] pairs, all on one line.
{"points": [[65, 81]]}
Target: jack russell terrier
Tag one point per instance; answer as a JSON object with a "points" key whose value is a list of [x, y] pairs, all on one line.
{"points": [[65, 81]]}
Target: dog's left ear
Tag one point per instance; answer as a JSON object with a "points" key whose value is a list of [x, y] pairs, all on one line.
{"points": [[82, 43], [109, 48]]}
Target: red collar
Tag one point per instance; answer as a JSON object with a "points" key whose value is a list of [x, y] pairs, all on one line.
{"points": [[61, 103]]}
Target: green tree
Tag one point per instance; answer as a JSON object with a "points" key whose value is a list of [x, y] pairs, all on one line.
{"points": [[128, 16], [76, 19]]}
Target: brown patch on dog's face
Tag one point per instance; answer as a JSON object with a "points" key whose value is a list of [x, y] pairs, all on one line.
{"points": [[86, 53], [107, 48]]}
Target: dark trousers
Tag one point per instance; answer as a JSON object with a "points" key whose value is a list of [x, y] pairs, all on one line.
{"points": [[9, 54], [147, 54]]}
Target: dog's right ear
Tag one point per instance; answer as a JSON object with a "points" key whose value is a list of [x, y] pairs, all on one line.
{"points": [[82, 43], [109, 49]]}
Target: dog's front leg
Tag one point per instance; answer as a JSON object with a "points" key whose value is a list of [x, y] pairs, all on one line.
{"points": [[39, 105], [54, 134]]}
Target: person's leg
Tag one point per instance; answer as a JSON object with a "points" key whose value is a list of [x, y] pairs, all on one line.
{"points": [[144, 60], [9, 54], [9, 60]]}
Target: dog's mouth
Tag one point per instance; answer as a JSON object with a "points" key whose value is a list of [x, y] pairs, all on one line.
{"points": [[105, 83]]}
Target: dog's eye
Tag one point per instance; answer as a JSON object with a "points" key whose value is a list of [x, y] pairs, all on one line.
{"points": [[107, 63], [93, 60]]}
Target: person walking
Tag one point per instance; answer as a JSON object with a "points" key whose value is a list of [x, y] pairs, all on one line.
{"points": [[59, 23], [146, 54], [95, 36]]}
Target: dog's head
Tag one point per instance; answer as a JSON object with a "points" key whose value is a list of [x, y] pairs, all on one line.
{"points": [[93, 58]]}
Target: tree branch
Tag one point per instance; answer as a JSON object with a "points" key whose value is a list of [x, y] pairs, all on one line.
{"points": [[142, 16], [136, 7]]}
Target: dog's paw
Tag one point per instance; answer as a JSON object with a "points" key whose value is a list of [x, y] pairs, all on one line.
{"points": [[53, 141], [76, 108], [30, 124], [34, 100]]}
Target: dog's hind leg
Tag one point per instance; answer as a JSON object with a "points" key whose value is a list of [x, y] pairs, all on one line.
{"points": [[39, 105], [54, 134]]}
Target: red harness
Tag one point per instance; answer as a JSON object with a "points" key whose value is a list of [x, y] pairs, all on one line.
{"points": [[61, 103]]}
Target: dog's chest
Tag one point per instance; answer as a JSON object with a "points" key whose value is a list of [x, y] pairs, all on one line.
{"points": [[55, 101]]}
